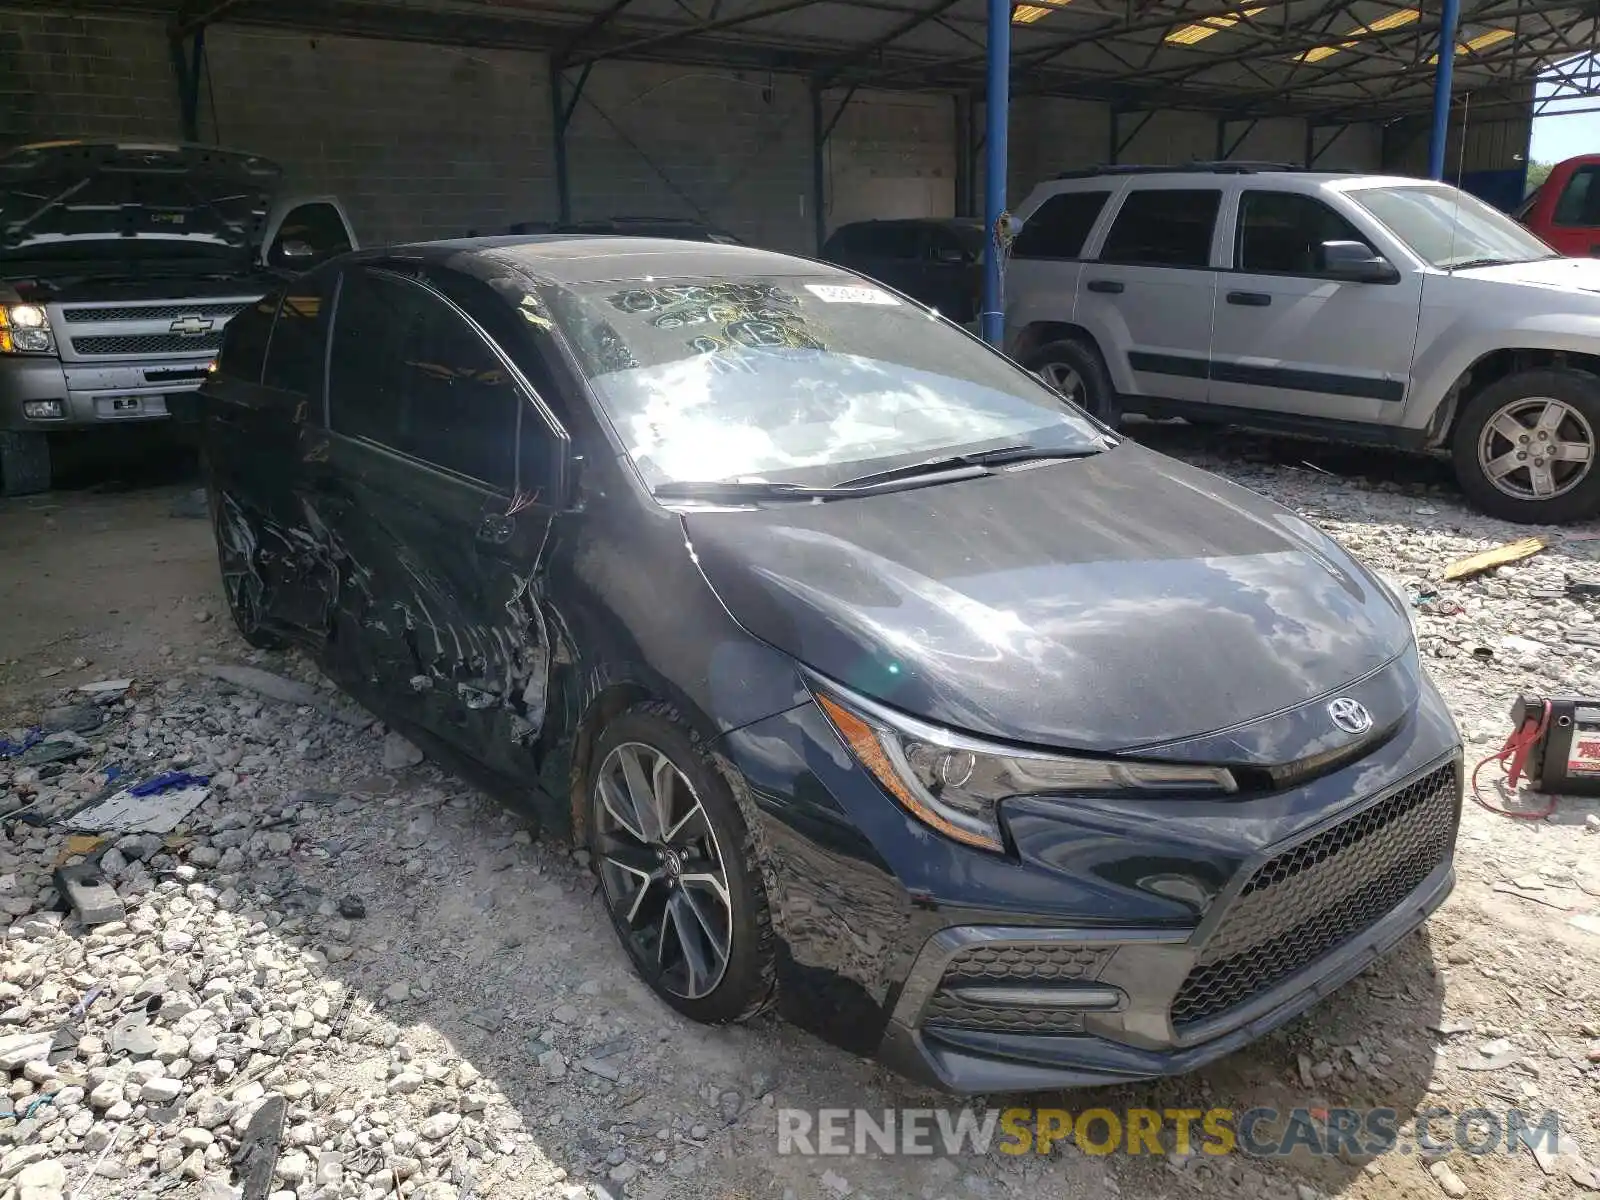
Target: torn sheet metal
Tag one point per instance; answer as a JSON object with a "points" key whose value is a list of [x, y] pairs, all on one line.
{"points": [[123, 812]]}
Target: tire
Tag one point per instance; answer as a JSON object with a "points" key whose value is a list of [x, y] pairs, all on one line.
{"points": [[1072, 359], [24, 463], [241, 582], [675, 923], [1512, 417]]}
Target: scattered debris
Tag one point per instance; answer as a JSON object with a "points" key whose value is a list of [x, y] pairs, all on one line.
{"points": [[106, 687], [152, 812], [399, 753], [352, 907], [1449, 1182], [258, 1148], [1512, 889], [1476, 564], [285, 691], [89, 893]]}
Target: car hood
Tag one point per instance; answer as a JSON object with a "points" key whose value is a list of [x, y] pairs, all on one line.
{"points": [[87, 192], [1566, 274], [1111, 603]]}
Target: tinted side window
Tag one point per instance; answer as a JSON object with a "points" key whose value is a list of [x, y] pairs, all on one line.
{"points": [[1580, 201], [317, 227], [1166, 228], [299, 337], [410, 374], [1060, 226], [889, 239], [1282, 233], [244, 346]]}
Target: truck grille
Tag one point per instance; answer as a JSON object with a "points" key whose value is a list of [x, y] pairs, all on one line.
{"points": [[1317, 895], [148, 343], [1035, 963], [149, 312]]}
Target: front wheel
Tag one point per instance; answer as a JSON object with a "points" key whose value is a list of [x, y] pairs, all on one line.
{"points": [[677, 868], [1074, 368], [1524, 447], [24, 463]]}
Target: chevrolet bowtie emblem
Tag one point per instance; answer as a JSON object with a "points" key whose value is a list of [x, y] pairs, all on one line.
{"points": [[192, 326]]}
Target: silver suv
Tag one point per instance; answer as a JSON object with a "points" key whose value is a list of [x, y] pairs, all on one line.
{"points": [[1359, 307], [120, 264]]}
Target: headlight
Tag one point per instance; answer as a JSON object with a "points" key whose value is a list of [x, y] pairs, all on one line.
{"points": [[24, 329], [955, 783]]}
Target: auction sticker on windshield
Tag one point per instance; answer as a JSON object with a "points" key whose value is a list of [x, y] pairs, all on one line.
{"points": [[832, 293]]}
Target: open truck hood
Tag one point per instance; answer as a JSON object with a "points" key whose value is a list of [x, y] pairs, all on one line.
{"points": [[59, 197]]}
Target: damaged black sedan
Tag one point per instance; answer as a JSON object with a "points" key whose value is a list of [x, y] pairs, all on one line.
{"points": [[884, 685]]}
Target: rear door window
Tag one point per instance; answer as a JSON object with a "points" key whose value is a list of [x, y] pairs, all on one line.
{"points": [[1060, 226], [1164, 227], [410, 374]]}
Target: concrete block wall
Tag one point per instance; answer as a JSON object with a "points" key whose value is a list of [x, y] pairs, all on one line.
{"points": [[67, 76], [418, 141], [732, 148], [432, 141]]}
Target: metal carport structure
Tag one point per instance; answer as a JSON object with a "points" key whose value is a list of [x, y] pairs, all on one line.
{"points": [[1334, 64]]}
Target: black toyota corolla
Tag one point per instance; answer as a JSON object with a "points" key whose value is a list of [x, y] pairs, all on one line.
{"points": [[883, 685]]}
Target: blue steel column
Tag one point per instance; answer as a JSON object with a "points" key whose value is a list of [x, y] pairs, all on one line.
{"points": [[1448, 17], [998, 104]]}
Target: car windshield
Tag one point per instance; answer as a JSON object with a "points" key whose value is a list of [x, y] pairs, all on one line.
{"points": [[1449, 228], [799, 379]]}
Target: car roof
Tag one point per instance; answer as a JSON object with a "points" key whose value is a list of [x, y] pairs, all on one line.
{"points": [[945, 222], [582, 258]]}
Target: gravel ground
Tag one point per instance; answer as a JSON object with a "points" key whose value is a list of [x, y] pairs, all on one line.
{"points": [[439, 1002]]}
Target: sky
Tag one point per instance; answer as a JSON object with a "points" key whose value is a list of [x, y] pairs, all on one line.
{"points": [[1559, 137]]}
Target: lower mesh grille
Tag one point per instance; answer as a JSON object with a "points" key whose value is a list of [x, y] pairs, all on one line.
{"points": [[954, 1013], [1317, 895], [147, 343], [1038, 964]]}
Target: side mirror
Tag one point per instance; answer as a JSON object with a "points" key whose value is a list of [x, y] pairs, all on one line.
{"points": [[1356, 262], [296, 251], [951, 254]]}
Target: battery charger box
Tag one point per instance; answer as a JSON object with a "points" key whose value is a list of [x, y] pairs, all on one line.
{"points": [[1565, 760]]}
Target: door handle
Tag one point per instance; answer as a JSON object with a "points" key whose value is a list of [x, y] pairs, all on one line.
{"points": [[1250, 299], [1113, 286]]}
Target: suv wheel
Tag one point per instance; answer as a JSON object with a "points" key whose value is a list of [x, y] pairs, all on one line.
{"points": [[1075, 369], [677, 868], [1525, 447], [24, 463]]}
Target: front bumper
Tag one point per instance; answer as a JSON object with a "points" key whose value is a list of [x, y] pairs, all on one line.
{"points": [[1125, 940], [101, 394]]}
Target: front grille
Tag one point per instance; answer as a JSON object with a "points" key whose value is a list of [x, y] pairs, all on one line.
{"points": [[149, 312], [147, 343], [1031, 963], [1317, 895]]}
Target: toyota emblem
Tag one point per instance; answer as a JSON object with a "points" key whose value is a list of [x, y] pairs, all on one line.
{"points": [[1350, 715]]}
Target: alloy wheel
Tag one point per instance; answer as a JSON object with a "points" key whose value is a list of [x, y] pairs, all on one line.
{"points": [[662, 870], [1536, 448], [1064, 379]]}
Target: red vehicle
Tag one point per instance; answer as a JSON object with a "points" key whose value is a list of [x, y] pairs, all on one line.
{"points": [[1565, 210]]}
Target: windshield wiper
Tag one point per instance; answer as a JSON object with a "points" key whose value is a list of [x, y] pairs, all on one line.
{"points": [[739, 489], [971, 464]]}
